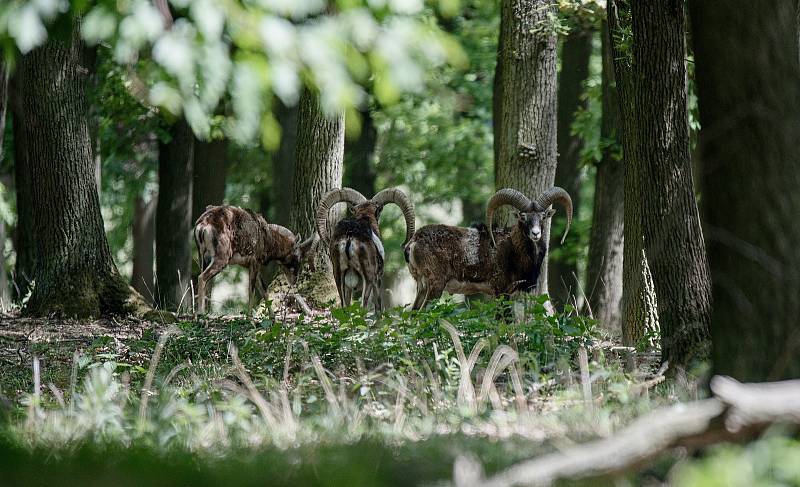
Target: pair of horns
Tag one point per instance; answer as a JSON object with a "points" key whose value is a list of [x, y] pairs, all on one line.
{"points": [[353, 197], [512, 197]]}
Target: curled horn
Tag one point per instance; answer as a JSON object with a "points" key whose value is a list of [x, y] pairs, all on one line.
{"points": [[505, 196], [552, 195], [396, 196], [348, 195]]}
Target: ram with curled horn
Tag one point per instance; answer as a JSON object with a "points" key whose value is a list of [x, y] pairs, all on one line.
{"points": [[481, 259], [355, 245]]}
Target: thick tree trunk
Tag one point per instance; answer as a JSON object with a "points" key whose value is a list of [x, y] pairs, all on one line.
{"points": [[144, 239], [283, 165], [671, 223], [525, 102], [639, 310], [174, 218], [359, 157], [318, 169], [210, 174], [74, 273], [748, 80], [575, 52], [604, 267]]}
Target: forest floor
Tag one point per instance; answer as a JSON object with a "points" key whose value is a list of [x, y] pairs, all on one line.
{"points": [[421, 387]]}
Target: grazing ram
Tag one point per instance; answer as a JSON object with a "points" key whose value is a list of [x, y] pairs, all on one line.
{"points": [[355, 247], [231, 235], [470, 260]]}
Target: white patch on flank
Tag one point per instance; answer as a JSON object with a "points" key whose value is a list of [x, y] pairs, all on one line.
{"points": [[378, 244], [412, 263], [471, 244], [351, 279], [342, 256]]}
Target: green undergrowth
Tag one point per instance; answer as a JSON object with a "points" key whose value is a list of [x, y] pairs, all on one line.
{"points": [[343, 398]]}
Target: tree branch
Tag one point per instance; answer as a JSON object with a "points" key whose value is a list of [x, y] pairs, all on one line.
{"points": [[738, 411]]}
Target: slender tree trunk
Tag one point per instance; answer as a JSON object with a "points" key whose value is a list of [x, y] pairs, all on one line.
{"points": [[575, 52], [604, 267], [210, 174], [74, 273], [318, 169], [23, 233], [525, 102], [639, 306], [671, 223], [748, 80], [144, 239], [4, 289], [174, 218], [3, 103], [283, 162], [359, 157]]}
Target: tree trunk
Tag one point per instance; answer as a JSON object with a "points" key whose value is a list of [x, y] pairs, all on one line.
{"points": [[318, 169], [604, 266], [144, 239], [174, 218], [575, 52], [74, 273], [283, 165], [24, 246], [525, 102], [359, 157], [210, 173], [4, 289], [3, 103], [748, 80], [639, 310], [670, 220]]}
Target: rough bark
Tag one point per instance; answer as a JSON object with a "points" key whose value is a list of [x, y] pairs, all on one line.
{"points": [[604, 266], [575, 52], [748, 80], [283, 165], [318, 169], [174, 218], [639, 310], [525, 102], [74, 273], [670, 221], [144, 239], [210, 174], [359, 157]]}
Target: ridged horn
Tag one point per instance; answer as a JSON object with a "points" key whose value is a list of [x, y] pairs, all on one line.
{"points": [[348, 195], [553, 195], [398, 197], [505, 196]]}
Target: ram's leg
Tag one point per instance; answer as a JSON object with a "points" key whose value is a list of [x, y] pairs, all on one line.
{"points": [[251, 288], [262, 291], [377, 297], [366, 289], [338, 276], [205, 278]]}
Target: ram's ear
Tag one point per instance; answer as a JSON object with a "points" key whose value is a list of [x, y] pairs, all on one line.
{"points": [[550, 212]]}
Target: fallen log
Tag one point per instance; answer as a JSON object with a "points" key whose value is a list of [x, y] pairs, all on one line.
{"points": [[736, 412]]}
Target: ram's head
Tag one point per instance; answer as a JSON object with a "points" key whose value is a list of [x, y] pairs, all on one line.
{"points": [[531, 214]]}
